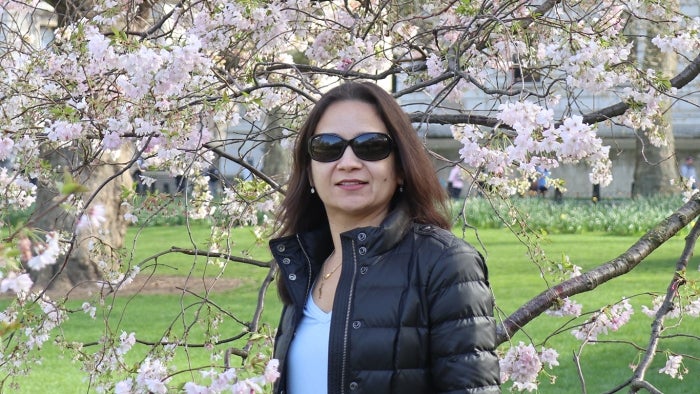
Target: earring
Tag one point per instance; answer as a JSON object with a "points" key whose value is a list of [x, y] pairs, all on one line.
{"points": [[313, 190], [400, 188]]}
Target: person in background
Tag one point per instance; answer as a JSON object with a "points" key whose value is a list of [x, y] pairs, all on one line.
{"points": [[137, 175], [688, 171], [246, 174], [379, 295], [214, 178], [180, 183], [539, 186], [455, 182], [542, 186]]}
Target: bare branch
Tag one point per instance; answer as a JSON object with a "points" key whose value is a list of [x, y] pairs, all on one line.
{"points": [[275, 186], [218, 255]]}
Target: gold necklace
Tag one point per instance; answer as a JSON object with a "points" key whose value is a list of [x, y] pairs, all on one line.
{"points": [[325, 277]]}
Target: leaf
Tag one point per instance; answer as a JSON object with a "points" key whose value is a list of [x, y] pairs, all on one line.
{"points": [[70, 186]]}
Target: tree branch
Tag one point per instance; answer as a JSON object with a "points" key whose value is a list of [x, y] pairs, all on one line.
{"points": [[603, 273], [679, 81], [226, 256], [275, 186], [667, 306]]}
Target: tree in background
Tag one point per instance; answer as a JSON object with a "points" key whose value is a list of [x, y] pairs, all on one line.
{"points": [[165, 80], [655, 163]]}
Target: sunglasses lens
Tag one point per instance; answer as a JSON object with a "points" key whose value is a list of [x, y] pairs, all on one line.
{"points": [[372, 146], [326, 147], [367, 146]]}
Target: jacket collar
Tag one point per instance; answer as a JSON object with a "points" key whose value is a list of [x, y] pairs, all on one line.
{"points": [[384, 237], [318, 243]]}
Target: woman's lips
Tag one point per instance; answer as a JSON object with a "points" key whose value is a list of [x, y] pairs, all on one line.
{"points": [[351, 184]]}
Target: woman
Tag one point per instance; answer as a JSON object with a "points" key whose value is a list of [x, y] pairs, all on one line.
{"points": [[380, 297], [455, 183]]}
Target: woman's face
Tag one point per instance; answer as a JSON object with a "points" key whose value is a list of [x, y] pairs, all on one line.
{"points": [[351, 188]]}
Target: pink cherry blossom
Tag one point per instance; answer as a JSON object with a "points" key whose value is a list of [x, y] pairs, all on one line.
{"points": [[673, 367], [16, 283], [522, 365], [608, 318], [61, 130], [91, 219], [568, 307], [6, 145], [48, 255]]}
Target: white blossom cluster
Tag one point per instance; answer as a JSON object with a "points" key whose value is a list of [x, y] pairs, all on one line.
{"points": [[690, 308], [674, 367], [607, 319], [18, 191], [538, 142], [229, 382], [523, 364]]}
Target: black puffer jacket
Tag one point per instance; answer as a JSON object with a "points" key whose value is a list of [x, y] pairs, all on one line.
{"points": [[413, 312]]}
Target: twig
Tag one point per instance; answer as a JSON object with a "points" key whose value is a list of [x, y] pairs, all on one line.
{"points": [[666, 307]]}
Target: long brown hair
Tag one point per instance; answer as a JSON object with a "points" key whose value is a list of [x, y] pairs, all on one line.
{"points": [[422, 193]]}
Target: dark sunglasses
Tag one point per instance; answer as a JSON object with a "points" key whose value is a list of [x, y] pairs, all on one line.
{"points": [[367, 146]]}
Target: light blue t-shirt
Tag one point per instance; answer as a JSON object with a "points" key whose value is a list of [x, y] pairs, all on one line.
{"points": [[308, 353]]}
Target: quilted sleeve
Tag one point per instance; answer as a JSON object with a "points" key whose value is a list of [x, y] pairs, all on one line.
{"points": [[462, 324]]}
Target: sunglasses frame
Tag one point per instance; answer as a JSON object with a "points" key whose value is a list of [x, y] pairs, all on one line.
{"points": [[352, 143]]}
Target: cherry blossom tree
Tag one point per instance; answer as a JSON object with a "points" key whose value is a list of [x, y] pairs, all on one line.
{"points": [[112, 81]]}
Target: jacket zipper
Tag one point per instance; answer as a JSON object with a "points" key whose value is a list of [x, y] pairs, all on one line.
{"points": [[347, 321], [308, 267]]}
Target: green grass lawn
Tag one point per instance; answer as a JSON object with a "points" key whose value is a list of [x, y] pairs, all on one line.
{"points": [[514, 280]]}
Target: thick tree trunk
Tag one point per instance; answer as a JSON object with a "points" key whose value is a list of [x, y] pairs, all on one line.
{"points": [[68, 11], [92, 246], [277, 163], [656, 165]]}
